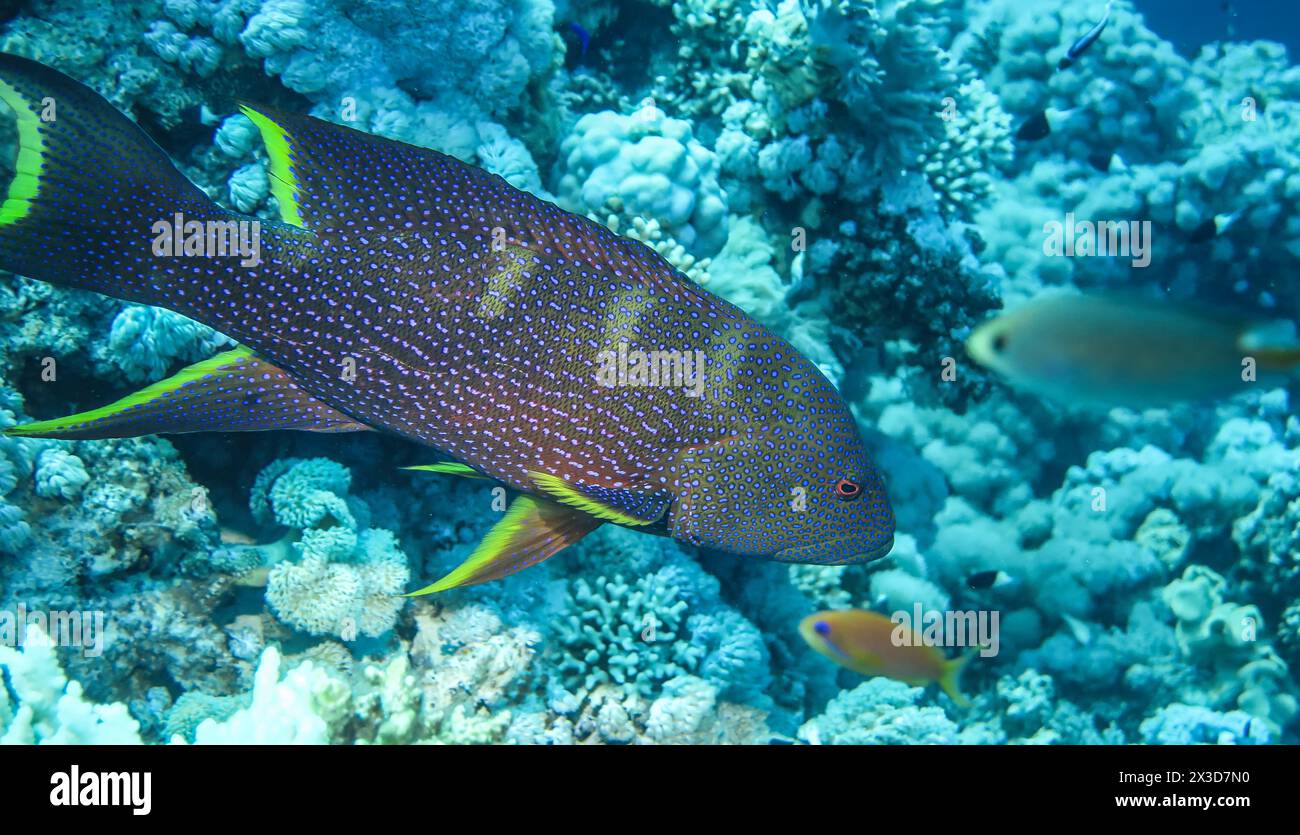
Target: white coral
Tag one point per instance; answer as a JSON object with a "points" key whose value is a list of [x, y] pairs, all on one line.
{"points": [[50, 710]]}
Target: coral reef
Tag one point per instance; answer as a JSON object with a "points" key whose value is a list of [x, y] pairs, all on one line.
{"points": [[851, 173]]}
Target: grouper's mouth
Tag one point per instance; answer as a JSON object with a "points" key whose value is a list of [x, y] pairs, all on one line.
{"points": [[832, 552]]}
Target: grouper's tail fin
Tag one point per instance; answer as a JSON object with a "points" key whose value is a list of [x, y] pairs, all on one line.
{"points": [[89, 188]]}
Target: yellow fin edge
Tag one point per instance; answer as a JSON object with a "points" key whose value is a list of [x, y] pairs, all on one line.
{"points": [[284, 184], [26, 183], [566, 494], [145, 395], [487, 551], [948, 682], [448, 468]]}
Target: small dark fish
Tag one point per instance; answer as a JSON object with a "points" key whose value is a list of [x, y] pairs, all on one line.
{"points": [[1086, 40], [983, 579], [1041, 124], [1107, 162], [584, 39], [1036, 127]]}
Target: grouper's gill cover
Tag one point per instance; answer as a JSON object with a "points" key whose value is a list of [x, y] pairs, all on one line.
{"points": [[405, 291]]}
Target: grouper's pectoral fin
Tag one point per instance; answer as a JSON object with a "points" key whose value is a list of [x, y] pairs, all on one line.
{"points": [[532, 530], [232, 392], [623, 506]]}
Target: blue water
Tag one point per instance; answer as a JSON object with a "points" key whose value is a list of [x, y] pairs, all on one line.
{"points": [[1100, 531], [1192, 24]]}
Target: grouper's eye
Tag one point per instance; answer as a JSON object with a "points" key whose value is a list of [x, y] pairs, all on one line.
{"points": [[821, 627], [999, 343], [847, 490]]}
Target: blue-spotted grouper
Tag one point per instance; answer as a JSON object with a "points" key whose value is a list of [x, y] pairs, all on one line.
{"points": [[404, 291]]}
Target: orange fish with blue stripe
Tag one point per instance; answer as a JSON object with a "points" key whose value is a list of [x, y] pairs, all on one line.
{"points": [[868, 643], [406, 292]]}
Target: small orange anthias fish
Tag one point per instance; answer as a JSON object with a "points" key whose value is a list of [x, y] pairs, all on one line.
{"points": [[865, 642]]}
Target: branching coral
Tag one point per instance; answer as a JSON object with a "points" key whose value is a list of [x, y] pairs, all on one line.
{"points": [[976, 144], [1031, 713], [906, 273], [892, 75], [310, 703], [118, 54], [146, 342], [1180, 724], [101, 509], [660, 620], [627, 633]]}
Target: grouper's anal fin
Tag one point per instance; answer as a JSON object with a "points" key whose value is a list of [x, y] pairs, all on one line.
{"points": [[532, 530], [232, 392]]}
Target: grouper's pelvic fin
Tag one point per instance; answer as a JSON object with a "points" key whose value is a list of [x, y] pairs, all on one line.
{"points": [[232, 392], [532, 530], [91, 195]]}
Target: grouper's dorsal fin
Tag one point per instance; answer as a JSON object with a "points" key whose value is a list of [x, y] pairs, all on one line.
{"points": [[403, 199], [327, 176], [622, 506], [232, 392], [281, 154], [532, 530]]}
